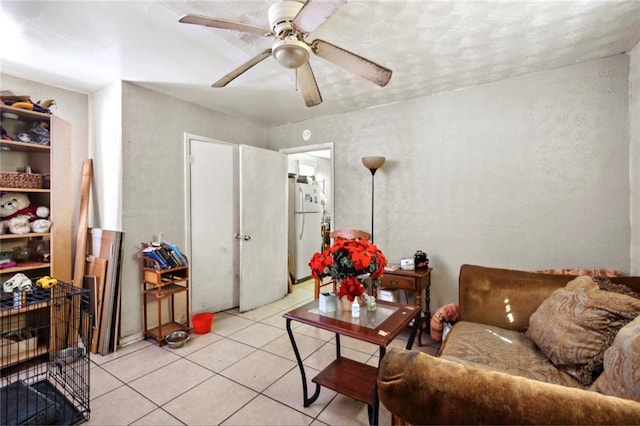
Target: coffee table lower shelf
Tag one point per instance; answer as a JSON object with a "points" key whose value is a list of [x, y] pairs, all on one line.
{"points": [[350, 378]]}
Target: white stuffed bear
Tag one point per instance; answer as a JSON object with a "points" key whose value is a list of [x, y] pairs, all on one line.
{"points": [[18, 216]]}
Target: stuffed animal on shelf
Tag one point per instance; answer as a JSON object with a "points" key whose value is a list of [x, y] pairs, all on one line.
{"points": [[18, 216]]}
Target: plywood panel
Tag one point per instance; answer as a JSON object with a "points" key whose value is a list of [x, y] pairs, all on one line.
{"points": [[62, 203]]}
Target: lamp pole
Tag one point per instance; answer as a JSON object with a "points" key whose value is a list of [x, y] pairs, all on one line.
{"points": [[373, 179], [373, 164]]}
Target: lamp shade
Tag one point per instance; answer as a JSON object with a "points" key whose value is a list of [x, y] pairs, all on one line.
{"points": [[373, 163]]}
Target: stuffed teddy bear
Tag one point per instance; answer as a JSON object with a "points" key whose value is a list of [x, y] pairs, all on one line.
{"points": [[18, 216]]}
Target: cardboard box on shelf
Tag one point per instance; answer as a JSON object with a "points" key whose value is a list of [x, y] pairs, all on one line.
{"points": [[18, 342], [388, 295], [397, 296]]}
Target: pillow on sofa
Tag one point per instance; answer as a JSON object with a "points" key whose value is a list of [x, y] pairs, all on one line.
{"points": [[606, 284], [621, 375], [592, 271], [576, 324]]}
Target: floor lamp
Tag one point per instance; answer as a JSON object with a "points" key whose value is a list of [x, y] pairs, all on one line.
{"points": [[373, 164]]}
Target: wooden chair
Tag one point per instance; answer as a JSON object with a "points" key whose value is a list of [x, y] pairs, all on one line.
{"points": [[350, 234]]}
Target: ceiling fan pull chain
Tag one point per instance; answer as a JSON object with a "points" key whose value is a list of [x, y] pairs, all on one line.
{"points": [[296, 80]]}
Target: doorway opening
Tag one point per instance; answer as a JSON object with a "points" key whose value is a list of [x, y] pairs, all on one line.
{"points": [[311, 204]]}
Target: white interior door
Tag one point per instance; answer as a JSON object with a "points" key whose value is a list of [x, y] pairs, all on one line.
{"points": [[263, 227], [213, 217]]}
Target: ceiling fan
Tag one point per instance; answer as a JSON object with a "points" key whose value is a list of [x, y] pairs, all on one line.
{"points": [[290, 22]]}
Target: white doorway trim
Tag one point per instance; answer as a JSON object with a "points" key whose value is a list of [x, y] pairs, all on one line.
{"points": [[319, 147]]}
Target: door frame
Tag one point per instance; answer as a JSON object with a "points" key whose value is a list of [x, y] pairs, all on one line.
{"points": [[317, 147]]}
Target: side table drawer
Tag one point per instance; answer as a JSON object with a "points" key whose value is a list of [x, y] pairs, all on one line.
{"points": [[396, 281]]}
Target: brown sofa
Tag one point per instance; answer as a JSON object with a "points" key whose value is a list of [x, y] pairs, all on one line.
{"points": [[488, 370]]}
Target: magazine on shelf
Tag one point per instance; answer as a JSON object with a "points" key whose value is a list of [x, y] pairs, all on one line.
{"points": [[167, 254]]}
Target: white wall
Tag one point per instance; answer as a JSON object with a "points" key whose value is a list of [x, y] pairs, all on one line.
{"points": [[526, 173], [634, 151], [105, 148], [153, 128]]}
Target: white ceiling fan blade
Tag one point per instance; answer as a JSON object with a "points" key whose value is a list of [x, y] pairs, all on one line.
{"points": [[224, 24], [351, 62], [242, 68], [315, 12], [308, 85]]}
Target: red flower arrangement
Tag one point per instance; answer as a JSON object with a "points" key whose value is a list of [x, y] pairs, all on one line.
{"points": [[350, 262]]}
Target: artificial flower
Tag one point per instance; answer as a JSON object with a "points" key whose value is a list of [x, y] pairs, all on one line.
{"points": [[349, 261]]}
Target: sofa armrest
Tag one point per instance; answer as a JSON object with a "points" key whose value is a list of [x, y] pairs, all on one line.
{"points": [[422, 389]]}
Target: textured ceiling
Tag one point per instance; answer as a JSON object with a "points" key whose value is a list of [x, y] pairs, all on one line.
{"points": [[431, 46]]}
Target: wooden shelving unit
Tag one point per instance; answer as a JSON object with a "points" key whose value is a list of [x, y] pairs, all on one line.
{"points": [[32, 318], [52, 161], [159, 284]]}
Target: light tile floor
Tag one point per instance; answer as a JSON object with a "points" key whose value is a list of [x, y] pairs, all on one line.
{"points": [[242, 373]]}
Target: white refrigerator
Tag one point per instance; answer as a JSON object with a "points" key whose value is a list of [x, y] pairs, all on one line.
{"points": [[305, 229]]}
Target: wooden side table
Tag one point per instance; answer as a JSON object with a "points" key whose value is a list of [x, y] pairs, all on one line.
{"points": [[418, 280], [352, 378]]}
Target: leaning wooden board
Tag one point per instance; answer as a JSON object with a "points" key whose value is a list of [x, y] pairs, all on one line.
{"points": [[81, 240], [81, 247], [107, 245], [97, 266]]}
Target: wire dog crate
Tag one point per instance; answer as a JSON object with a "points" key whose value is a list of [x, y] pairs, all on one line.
{"points": [[44, 375]]}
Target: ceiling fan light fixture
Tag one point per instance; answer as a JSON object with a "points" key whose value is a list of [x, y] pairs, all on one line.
{"points": [[291, 52]]}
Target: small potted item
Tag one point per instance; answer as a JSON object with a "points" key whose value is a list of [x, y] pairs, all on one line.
{"points": [[420, 260]]}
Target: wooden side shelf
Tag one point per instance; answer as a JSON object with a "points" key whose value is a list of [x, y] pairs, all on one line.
{"points": [[157, 285], [163, 330], [161, 277], [417, 281], [351, 378], [24, 356], [25, 266]]}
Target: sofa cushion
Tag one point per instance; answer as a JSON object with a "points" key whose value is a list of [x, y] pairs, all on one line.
{"points": [[508, 351], [422, 389], [621, 375], [576, 324]]}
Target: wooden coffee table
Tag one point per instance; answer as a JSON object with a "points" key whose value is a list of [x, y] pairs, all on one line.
{"points": [[354, 379]]}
